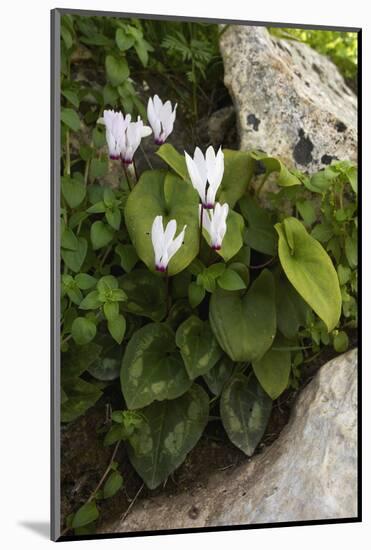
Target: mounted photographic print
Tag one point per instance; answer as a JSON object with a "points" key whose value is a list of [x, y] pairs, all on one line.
{"points": [[204, 343]]}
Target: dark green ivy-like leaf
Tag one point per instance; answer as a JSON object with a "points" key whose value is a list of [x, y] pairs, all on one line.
{"points": [[171, 429], [152, 368], [245, 409]]}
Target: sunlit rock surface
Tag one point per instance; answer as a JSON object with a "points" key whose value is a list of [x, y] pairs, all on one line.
{"points": [[290, 100]]}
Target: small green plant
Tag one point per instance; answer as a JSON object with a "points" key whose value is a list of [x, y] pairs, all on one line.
{"points": [[327, 205]]}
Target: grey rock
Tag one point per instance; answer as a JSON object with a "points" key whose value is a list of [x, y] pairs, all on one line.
{"points": [[309, 473], [222, 128], [219, 129], [290, 101]]}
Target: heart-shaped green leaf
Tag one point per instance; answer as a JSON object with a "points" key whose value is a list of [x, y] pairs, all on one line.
{"points": [[260, 234], [159, 193], [219, 375], [242, 270], [71, 119], [117, 328], [238, 171], [273, 371], [107, 367], [123, 40], [117, 69], [245, 409], [75, 258], [321, 181], [152, 368], [101, 234], [83, 330], [81, 396], [175, 160], [113, 217], [68, 239], [146, 294], [310, 270], [73, 191], [85, 281], [112, 485], [272, 164], [171, 429], [98, 168], [198, 347], [128, 256], [245, 325], [196, 294], [291, 308], [85, 515], [179, 312], [231, 280]]}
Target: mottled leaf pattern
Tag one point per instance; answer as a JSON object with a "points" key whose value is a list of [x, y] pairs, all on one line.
{"points": [[171, 429], [245, 409], [152, 368], [198, 347]]}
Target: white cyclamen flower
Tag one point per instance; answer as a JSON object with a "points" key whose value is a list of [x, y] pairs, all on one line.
{"points": [[206, 173], [215, 223], [164, 244], [116, 126], [161, 117], [133, 134]]}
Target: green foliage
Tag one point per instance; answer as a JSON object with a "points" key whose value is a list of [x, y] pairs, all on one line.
{"points": [[339, 46], [285, 177], [85, 515], [259, 234], [112, 485], [245, 325], [219, 375], [198, 347], [239, 321], [160, 193], [245, 411], [273, 371], [146, 294], [238, 171], [310, 270], [174, 427], [152, 368]]}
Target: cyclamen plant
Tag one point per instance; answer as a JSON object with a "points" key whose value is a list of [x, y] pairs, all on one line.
{"points": [[205, 171], [179, 283]]}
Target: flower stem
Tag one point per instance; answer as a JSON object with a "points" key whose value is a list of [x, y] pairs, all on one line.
{"points": [[68, 157], [201, 221], [135, 171], [262, 265], [167, 284], [127, 176], [104, 257], [126, 513], [146, 157]]}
